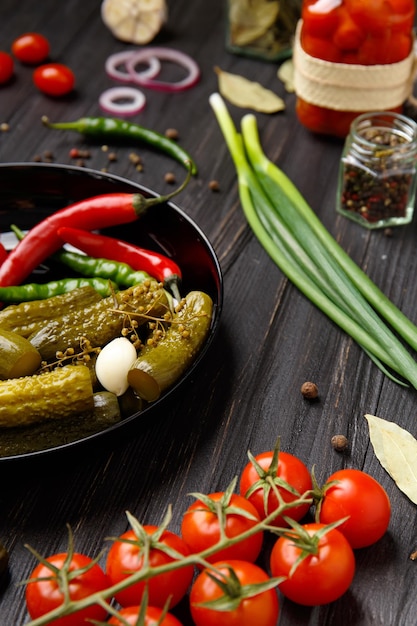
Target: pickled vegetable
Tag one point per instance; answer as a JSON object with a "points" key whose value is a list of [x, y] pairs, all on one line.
{"points": [[52, 433], [61, 393], [351, 37], [17, 356], [28, 317], [159, 366], [100, 322]]}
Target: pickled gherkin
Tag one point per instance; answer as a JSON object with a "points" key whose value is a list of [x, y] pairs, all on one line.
{"points": [[102, 321], [17, 356], [27, 318], [52, 433], [54, 395], [159, 366]]}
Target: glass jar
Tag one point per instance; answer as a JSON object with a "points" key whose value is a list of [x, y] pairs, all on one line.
{"points": [[377, 177], [352, 56], [262, 29]]}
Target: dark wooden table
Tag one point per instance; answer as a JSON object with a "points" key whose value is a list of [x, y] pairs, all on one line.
{"points": [[270, 341]]}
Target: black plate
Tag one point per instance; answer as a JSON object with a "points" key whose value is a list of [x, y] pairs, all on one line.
{"points": [[30, 192]]}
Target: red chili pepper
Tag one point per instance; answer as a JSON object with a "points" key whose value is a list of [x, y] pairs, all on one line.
{"points": [[3, 253], [157, 265], [90, 214]]}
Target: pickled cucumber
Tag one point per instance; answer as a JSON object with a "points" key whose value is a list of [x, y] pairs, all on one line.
{"points": [[27, 318], [53, 433], [100, 322], [160, 366], [17, 356], [63, 392]]}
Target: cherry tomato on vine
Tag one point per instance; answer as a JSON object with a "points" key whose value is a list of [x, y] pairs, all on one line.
{"points": [[153, 617], [54, 79], [126, 556], [42, 596], [200, 527], [358, 495], [31, 48], [323, 575], [6, 67], [290, 476], [261, 608]]}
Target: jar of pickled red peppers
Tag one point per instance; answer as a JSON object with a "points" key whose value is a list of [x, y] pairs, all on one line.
{"points": [[378, 170], [352, 57]]}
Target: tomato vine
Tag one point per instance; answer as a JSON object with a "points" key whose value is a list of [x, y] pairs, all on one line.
{"points": [[229, 584], [200, 559]]}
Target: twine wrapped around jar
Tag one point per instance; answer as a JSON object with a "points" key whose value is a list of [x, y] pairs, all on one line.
{"points": [[352, 87]]}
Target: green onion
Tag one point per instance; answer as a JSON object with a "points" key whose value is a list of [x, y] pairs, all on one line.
{"points": [[297, 242], [385, 307]]}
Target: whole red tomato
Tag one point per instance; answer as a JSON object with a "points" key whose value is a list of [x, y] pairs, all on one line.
{"points": [[261, 609], [42, 596], [6, 67], [290, 476], [200, 527], [54, 79], [31, 48], [153, 617], [126, 556], [353, 493], [321, 576]]}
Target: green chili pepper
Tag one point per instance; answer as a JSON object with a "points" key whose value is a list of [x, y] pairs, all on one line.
{"points": [[41, 291], [121, 273], [104, 128]]}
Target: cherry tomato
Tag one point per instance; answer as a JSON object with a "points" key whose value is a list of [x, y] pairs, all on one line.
{"points": [[45, 595], [31, 48], [359, 496], [291, 471], [200, 526], [152, 617], [261, 609], [126, 557], [54, 79], [6, 67], [318, 578]]}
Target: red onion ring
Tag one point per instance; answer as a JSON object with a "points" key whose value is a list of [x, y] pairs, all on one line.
{"points": [[120, 58], [136, 101], [166, 54]]}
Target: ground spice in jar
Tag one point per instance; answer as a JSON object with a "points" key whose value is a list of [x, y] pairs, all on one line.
{"points": [[378, 170]]}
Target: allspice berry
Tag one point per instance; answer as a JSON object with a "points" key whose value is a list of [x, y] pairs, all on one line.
{"points": [[339, 442], [309, 390]]}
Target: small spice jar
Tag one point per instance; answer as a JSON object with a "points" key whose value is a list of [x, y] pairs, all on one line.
{"points": [[377, 176]]}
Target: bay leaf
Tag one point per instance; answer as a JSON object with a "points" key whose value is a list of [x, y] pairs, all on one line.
{"points": [[248, 94], [396, 450], [285, 74]]}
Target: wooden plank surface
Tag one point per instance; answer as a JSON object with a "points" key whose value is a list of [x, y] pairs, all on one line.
{"points": [[271, 338]]}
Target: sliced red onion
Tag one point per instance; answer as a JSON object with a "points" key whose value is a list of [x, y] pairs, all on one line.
{"points": [[120, 58], [165, 54], [133, 101]]}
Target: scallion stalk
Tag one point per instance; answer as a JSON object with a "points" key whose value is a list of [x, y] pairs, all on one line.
{"points": [[381, 303], [325, 283]]}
